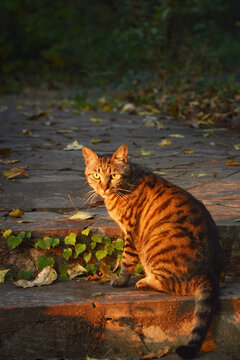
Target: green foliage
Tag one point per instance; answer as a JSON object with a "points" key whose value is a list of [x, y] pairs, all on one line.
{"points": [[67, 253], [24, 274], [70, 239], [44, 261], [99, 254], [53, 40]]}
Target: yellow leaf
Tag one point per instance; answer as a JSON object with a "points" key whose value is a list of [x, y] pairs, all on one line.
{"points": [[74, 146], [177, 136], [106, 108], [19, 107], [199, 175], [14, 172], [145, 153], [75, 112], [188, 151], [95, 120], [16, 213], [76, 270], [165, 142], [98, 141], [81, 215], [237, 147]]}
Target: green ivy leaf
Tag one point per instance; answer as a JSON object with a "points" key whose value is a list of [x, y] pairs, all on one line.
{"points": [[107, 240], [100, 254], [67, 253], [25, 274], [109, 248], [7, 233], [91, 268], [14, 241], [93, 245], [2, 274], [28, 236], [22, 234], [79, 249], [45, 243], [55, 242], [44, 261], [119, 244], [86, 232], [63, 272], [96, 238], [87, 256], [138, 269], [70, 239]]}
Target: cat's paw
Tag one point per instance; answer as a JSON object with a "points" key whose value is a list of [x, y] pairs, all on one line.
{"points": [[142, 284], [119, 282]]}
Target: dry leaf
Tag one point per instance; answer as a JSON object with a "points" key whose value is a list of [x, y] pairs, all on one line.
{"points": [[107, 273], [95, 120], [74, 146], [177, 136], [129, 108], [145, 153], [98, 141], [75, 270], [188, 151], [64, 131], [165, 142], [231, 162], [149, 121], [81, 215], [17, 213], [237, 147], [199, 175], [9, 162], [45, 277], [39, 114], [14, 172]]}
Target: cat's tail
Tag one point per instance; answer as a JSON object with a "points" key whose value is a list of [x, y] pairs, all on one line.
{"points": [[205, 301]]}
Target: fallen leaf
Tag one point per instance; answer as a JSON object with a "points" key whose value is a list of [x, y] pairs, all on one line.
{"points": [[177, 136], [16, 213], [95, 120], [9, 162], [237, 147], [81, 215], [209, 133], [27, 132], [45, 277], [214, 174], [199, 175], [106, 108], [188, 151], [98, 141], [145, 153], [230, 162], [39, 114], [74, 146], [107, 273], [149, 121], [97, 294], [236, 220], [64, 131], [160, 125], [2, 275], [75, 270], [165, 142], [129, 108], [14, 172]]}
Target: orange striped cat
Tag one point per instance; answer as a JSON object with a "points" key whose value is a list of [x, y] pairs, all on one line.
{"points": [[167, 229]]}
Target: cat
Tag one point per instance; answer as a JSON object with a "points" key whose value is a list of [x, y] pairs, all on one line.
{"points": [[167, 229]]}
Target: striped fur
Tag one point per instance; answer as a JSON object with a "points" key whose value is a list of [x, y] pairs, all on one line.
{"points": [[167, 229]]}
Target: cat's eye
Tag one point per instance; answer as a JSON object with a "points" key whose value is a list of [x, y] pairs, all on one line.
{"points": [[96, 176], [115, 176]]}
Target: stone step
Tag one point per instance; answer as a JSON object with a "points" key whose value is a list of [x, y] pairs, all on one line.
{"points": [[73, 319]]}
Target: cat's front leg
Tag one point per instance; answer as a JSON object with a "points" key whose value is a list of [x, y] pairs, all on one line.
{"points": [[129, 261]]}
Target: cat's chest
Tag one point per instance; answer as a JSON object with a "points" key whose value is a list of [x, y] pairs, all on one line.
{"points": [[119, 211]]}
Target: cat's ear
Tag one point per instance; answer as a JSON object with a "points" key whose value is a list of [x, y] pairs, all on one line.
{"points": [[121, 153], [89, 155]]}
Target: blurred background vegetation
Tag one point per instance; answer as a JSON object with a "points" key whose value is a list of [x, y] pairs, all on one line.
{"points": [[118, 43]]}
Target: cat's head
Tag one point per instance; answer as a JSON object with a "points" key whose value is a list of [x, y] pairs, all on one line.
{"points": [[107, 174]]}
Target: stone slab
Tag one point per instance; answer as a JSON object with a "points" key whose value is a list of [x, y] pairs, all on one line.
{"points": [[67, 319]]}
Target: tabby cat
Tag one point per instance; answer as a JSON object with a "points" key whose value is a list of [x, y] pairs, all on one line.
{"points": [[167, 229]]}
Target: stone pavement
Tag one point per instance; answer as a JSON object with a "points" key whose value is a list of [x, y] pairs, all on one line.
{"points": [[201, 160]]}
